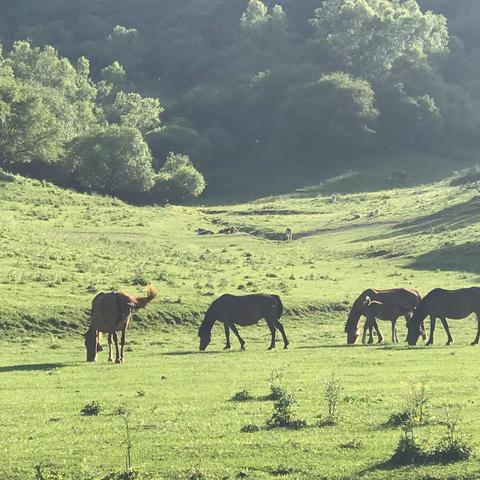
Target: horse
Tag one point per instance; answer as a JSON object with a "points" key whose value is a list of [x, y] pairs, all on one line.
{"points": [[443, 304], [111, 313], [243, 310], [376, 310], [406, 297]]}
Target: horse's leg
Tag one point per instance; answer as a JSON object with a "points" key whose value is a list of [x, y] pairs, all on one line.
{"points": [[380, 336], [432, 329], [364, 335], [240, 339], [117, 354], [110, 358], [122, 344], [227, 336], [271, 326], [393, 332], [445, 326], [282, 331], [477, 338]]}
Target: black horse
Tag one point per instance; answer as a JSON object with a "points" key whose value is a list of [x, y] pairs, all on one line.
{"points": [[443, 304], [242, 310]]}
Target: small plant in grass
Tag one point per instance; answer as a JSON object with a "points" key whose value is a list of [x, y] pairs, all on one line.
{"points": [[283, 415], [354, 444], [242, 396], [277, 390], [452, 447], [123, 413], [91, 409], [196, 474], [127, 475], [408, 451], [47, 472], [250, 428], [332, 389]]}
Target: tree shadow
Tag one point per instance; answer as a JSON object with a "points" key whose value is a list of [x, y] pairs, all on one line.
{"points": [[35, 367], [462, 258]]}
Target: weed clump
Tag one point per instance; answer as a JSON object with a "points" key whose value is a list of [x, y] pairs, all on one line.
{"points": [[277, 390], [91, 409], [283, 415], [250, 428], [47, 472], [332, 389], [354, 444], [242, 396]]}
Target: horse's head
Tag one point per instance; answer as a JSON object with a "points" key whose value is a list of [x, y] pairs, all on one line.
{"points": [[414, 330], [205, 339], [352, 334], [91, 344]]}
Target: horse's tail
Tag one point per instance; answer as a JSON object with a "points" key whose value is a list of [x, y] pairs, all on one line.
{"points": [[142, 302], [367, 301], [278, 305]]}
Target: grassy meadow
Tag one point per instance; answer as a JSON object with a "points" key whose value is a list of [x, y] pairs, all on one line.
{"points": [[59, 248]]}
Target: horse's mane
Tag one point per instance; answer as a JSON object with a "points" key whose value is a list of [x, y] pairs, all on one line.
{"points": [[353, 316], [208, 321]]}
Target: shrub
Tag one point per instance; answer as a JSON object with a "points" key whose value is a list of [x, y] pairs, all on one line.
{"points": [[283, 415], [250, 428], [275, 381], [178, 180], [408, 451], [91, 409], [331, 393]]}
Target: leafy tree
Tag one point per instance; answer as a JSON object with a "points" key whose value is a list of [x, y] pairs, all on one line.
{"points": [[114, 160], [178, 180], [133, 110], [335, 113]]}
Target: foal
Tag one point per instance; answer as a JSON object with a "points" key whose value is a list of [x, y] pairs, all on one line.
{"points": [[377, 310]]}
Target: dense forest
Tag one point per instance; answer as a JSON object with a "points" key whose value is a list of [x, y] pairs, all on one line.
{"points": [[144, 98]]}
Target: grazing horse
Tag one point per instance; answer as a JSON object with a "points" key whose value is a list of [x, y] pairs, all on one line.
{"points": [[376, 310], [111, 313], [443, 304], [242, 310], [288, 235], [406, 297]]}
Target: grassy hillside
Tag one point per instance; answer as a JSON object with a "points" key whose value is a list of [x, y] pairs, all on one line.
{"points": [[61, 247]]}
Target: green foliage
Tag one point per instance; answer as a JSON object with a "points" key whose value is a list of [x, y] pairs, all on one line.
{"points": [[332, 389], [91, 409], [114, 160], [242, 396], [178, 180]]}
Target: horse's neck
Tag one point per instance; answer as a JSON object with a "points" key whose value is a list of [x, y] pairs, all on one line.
{"points": [[354, 316], [207, 323]]}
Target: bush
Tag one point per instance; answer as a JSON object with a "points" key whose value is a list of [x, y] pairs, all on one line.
{"points": [[331, 393], [408, 452], [178, 180], [91, 409], [250, 428], [113, 160], [283, 415]]}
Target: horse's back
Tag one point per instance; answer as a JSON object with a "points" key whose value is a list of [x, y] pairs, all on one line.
{"points": [[245, 309], [107, 311], [453, 304]]}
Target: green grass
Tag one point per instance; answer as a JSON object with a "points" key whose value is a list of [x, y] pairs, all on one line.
{"points": [[61, 247]]}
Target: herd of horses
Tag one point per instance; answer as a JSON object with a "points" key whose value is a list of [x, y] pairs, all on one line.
{"points": [[112, 312]]}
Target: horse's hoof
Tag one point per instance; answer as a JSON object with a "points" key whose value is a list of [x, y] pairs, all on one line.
{"points": [[242, 347], [449, 343], [285, 347], [475, 342], [118, 360], [110, 359], [271, 348], [226, 347]]}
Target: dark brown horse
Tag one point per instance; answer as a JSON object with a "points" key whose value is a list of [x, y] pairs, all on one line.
{"points": [[443, 304], [243, 310], [405, 297], [111, 313], [374, 310]]}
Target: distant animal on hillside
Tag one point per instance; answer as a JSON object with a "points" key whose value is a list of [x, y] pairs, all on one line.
{"points": [[288, 235], [405, 297], [243, 310], [373, 310], [203, 231], [228, 231], [443, 304], [111, 313]]}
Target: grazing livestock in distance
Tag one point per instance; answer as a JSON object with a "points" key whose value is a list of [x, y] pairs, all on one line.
{"points": [[443, 304], [111, 313], [405, 297], [288, 235], [203, 231], [243, 310], [374, 310], [229, 231]]}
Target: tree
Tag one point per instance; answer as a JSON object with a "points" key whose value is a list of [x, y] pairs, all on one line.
{"points": [[178, 180], [114, 160], [367, 37], [334, 114]]}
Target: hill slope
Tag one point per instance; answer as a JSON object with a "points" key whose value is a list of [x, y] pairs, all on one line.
{"points": [[61, 247]]}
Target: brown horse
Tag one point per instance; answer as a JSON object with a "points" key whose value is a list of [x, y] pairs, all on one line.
{"points": [[443, 304], [243, 310], [376, 310], [111, 313], [406, 297]]}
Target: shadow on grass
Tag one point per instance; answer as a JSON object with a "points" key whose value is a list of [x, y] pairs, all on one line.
{"points": [[192, 352], [35, 367]]}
